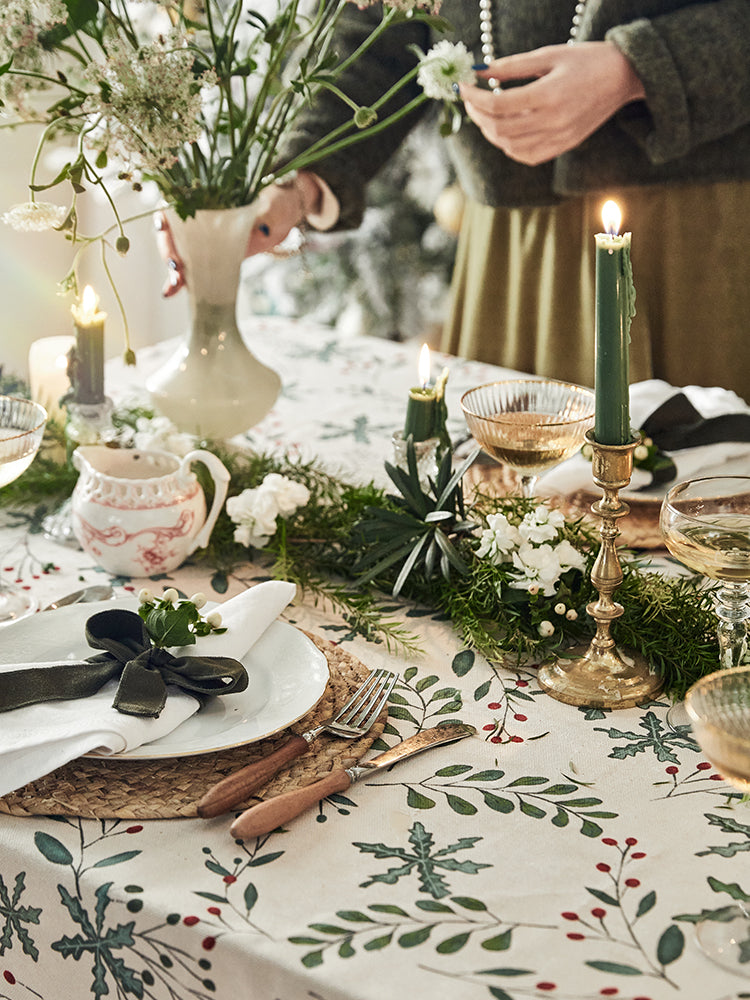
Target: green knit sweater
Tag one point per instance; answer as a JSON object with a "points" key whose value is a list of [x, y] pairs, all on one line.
{"points": [[693, 59]]}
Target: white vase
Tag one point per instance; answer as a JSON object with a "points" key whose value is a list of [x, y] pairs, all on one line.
{"points": [[213, 386]]}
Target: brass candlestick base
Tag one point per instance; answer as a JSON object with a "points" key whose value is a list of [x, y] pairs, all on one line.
{"points": [[603, 676]]}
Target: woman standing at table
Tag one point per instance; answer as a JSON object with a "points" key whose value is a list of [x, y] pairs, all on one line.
{"points": [[644, 101]]}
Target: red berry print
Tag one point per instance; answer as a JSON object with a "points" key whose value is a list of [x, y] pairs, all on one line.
{"points": [[191, 921], [208, 943], [134, 829], [575, 936], [568, 915], [520, 718], [546, 986], [609, 841], [9, 977], [703, 766], [672, 769], [602, 867], [632, 883], [630, 841], [215, 911], [229, 879], [598, 912], [494, 705], [637, 855]]}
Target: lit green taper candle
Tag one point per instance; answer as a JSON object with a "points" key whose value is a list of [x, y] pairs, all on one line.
{"points": [[425, 410], [615, 308], [86, 369]]}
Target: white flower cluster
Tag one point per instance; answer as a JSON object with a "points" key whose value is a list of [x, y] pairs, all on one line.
{"points": [[35, 216], [160, 433], [254, 511], [21, 24], [447, 63], [149, 101], [536, 555]]}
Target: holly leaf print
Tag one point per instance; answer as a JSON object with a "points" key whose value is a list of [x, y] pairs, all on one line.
{"points": [[16, 916], [656, 737], [428, 864]]}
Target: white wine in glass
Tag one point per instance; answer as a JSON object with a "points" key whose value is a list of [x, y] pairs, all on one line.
{"points": [[530, 425], [22, 424], [718, 707]]}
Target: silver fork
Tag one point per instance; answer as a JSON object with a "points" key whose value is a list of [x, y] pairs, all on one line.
{"points": [[351, 721]]}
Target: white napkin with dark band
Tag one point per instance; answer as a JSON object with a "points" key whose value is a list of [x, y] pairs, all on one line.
{"points": [[37, 739], [705, 430]]}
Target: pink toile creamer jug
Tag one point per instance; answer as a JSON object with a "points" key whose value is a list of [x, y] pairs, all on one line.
{"points": [[139, 513]]}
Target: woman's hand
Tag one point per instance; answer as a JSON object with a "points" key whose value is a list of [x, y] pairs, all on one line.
{"points": [[573, 89], [281, 207]]}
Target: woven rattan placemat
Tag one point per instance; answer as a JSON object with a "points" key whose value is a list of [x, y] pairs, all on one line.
{"points": [[108, 788], [638, 530]]}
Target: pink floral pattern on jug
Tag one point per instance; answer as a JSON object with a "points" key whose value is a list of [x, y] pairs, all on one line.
{"points": [[138, 513]]}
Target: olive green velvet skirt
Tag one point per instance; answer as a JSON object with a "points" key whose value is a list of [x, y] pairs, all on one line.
{"points": [[523, 286]]}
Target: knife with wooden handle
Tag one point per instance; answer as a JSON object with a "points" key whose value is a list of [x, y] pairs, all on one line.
{"points": [[274, 812]]}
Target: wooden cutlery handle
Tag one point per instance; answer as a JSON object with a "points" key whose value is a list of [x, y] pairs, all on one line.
{"points": [[266, 816], [236, 787]]}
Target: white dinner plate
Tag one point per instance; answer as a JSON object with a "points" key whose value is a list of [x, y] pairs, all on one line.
{"points": [[287, 675]]}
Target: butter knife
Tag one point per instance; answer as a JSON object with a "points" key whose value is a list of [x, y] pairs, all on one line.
{"points": [[266, 816]]}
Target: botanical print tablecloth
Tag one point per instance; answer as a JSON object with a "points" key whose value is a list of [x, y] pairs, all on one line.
{"points": [[554, 854]]}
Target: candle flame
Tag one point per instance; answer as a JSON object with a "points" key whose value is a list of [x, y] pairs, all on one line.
{"points": [[424, 366], [89, 302], [611, 218]]}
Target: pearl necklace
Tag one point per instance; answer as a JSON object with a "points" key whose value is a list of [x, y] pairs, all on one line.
{"points": [[487, 32]]}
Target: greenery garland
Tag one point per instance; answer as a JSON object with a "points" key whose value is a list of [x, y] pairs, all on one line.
{"points": [[352, 546]]}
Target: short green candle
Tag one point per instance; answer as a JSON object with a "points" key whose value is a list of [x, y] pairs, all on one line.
{"points": [[615, 308], [87, 357], [426, 412]]}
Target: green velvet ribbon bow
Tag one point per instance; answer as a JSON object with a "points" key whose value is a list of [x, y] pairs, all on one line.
{"points": [[144, 670]]}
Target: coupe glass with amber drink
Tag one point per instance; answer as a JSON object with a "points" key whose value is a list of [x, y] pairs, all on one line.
{"points": [[22, 426], [529, 425], [718, 707]]}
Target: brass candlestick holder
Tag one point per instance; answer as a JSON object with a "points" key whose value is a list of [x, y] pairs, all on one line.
{"points": [[603, 676]]}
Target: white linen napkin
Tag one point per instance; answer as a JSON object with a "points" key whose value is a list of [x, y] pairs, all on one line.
{"points": [[725, 458], [37, 739]]}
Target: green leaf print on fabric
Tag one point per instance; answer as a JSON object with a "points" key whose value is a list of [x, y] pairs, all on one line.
{"points": [[425, 860], [15, 916], [447, 925], [526, 793], [657, 736]]}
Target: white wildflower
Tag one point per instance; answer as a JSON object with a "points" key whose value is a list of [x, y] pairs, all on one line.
{"points": [[541, 525], [254, 511], [35, 216], [560, 609], [640, 452], [198, 600], [145, 596], [546, 629], [568, 556], [536, 565], [571, 614], [213, 619], [498, 539], [170, 594], [150, 100], [446, 64], [159, 433]]}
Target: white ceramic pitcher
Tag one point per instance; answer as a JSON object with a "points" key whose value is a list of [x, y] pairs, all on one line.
{"points": [[139, 513]]}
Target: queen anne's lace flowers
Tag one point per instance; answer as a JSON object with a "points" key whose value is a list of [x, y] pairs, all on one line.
{"points": [[254, 511], [150, 101], [447, 63]]}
